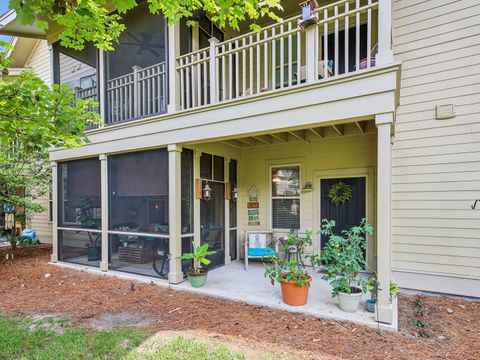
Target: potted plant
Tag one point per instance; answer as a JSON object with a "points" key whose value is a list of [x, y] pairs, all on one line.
{"points": [[84, 215], [293, 279], [373, 287], [342, 259], [198, 275]]}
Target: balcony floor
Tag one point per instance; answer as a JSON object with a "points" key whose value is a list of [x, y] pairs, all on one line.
{"points": [[232, 282]]}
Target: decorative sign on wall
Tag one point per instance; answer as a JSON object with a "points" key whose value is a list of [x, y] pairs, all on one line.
{"points": [[253, 207]]}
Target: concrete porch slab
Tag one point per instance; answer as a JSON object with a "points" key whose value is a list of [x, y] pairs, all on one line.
{"points": [[232, 282]]}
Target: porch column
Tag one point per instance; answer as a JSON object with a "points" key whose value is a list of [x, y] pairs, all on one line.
{"points": [[175, 274], [384, 165], [104, 197], [101, 87], [385, 16], [196, 199], [226, 177], [54, 257], [173, 78]]}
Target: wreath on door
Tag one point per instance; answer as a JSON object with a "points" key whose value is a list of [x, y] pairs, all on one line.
{"points": [[340, 193]]}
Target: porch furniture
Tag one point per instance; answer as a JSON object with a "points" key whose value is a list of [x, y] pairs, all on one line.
{"points": [[258, 245]]}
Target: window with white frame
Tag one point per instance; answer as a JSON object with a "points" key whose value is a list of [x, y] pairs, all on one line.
{"points": [[285, 193]]}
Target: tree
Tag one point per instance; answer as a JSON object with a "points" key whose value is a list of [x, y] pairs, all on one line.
{"points": [[99, 21], [34, 118]]}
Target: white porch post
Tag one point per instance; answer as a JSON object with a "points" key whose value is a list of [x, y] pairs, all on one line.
{"points": [[384, 124], [175, 274], [101, 87], [226, 172], [213, 70], [310, 54], [196, 202], [104, 196], [385, 16], [54, 257], [173, 78]]}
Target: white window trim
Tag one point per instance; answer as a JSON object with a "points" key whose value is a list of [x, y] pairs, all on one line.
{"points": [[271, 198]]}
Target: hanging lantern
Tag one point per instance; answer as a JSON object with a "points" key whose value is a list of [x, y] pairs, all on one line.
{"points": [[235, 193], [207, 192], [308, 14]]}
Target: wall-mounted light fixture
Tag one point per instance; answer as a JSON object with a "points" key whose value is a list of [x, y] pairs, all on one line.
{"points": [[307, 187], [207, 192], [308, 14], [234, 193]]}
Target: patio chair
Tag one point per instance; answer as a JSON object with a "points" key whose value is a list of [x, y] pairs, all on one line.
{"points": [[258, 245]]}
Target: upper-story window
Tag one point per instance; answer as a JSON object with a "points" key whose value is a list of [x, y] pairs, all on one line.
{"points": [[285, 187], [136, 71], [207, 30]]}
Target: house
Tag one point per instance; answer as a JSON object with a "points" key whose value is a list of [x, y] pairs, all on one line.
{"points": [[378, 96], [29, 53]]}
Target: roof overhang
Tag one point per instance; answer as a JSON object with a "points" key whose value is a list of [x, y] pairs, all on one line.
{"points": [[10, 25], [22, 51]]}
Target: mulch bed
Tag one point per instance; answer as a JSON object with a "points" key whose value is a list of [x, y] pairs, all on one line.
{"points": [[24, 289]]}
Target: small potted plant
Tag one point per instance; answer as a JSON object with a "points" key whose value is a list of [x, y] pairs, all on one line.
{"points": [[84, 215], [198, 275], [373, 287], [342, 260], [293, 279]]}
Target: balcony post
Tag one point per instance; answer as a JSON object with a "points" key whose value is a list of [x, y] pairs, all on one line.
{"points": [[136, 93], [175, 274], [101, 86], [54, 256], [173, 76], [384, 124], [385, 16], [104, 202], [310, 53], [213, 70]]}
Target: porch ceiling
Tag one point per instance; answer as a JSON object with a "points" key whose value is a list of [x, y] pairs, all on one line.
{"points": [[308, 134]]}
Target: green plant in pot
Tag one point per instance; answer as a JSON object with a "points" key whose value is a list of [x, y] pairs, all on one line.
{"points": [[292, 277], [84, 215], [342, 260], [198, 275], [373, 286]]}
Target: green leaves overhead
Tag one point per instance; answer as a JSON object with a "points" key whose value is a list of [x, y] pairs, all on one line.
{"points": [[100, 22]]}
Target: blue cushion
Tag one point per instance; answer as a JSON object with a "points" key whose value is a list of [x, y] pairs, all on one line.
{"points": [[268, 251]]}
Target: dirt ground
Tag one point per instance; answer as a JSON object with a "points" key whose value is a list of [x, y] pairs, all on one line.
{"points": [[24, 289]]}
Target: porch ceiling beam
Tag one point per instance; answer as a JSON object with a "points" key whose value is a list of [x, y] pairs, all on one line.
{"points": [[299, 134], [266, 139], [317, 131], [339, 129], [234, 143], [248, 141], [360, 126], [283, 137]]}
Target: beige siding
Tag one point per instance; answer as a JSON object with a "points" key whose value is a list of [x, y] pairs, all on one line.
{"points": [[436, 163], [40, 223], [40, 61]]}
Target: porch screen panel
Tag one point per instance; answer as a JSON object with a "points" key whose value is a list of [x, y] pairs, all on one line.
{"points": [[79, 208], [285, 197], [187, 191], [233, 210]]}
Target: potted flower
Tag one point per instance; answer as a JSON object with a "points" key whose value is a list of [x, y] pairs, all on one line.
{"points": [[84, 215], [293, 279], [198, 275], [342, 260], [373, 287]]}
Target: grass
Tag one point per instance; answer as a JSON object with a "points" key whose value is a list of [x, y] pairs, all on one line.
{"points": [[36, 339], [54, 338]]}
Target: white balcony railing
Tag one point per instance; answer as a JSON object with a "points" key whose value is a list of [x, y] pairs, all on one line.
{"points": [[280, 55], [137, 94]]}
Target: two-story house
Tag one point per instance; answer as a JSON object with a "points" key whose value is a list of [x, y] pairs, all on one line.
{"points": [[208, 133]]}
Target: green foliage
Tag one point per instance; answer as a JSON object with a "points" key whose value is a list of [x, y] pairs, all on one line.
{"points": [[94, 21], [84, 214], [199, 256], [298, 242], [28, 339], [291, 271], [343, 257], [33, 119], [373, 286]]}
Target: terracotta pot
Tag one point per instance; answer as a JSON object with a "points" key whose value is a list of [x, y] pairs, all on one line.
{"points": [[295, 295]]}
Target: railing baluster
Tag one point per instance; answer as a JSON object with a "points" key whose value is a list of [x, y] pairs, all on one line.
{"points": [[369, 34], [244, 67], [290, 58], [251, 65], [258, 75], [237, 65], [325, 44], [188, 79], [299, 56], [336, 41], [230, 72], [199, 80], [205, 79], [357, 36], [223, 91], [282, 57], [265, 60], [274, 60], [347, 4]]}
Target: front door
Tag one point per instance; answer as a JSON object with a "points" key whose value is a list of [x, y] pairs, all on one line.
{"points": [[212, 223], [345, 215]]}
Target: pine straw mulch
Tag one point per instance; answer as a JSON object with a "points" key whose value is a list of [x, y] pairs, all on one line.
{"points": [[24, 289]]}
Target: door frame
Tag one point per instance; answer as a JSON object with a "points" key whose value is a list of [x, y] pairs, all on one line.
{"points": [[369, 174]]}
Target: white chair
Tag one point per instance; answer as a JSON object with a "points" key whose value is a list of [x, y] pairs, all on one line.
{"points": [[258, 245]]}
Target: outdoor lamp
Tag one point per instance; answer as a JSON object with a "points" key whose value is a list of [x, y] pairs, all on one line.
{"points": [[207, 192], [308, 15], [235, 193]]}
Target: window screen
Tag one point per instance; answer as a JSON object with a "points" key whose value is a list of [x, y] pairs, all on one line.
{"points": [[286, 197]]}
